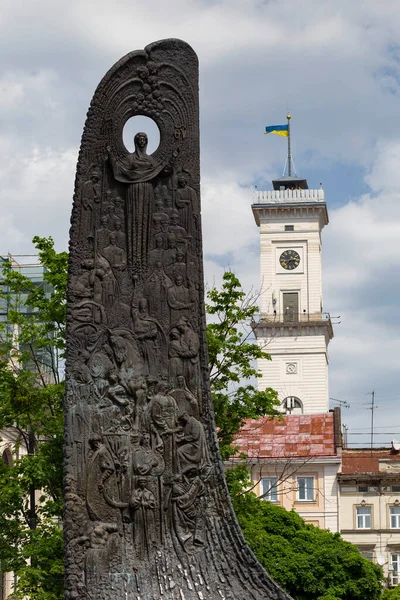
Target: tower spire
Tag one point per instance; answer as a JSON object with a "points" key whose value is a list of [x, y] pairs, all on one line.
{"points": [[289, 169], [289, 179], [289, 154]]}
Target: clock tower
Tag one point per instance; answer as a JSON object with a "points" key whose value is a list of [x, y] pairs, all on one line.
{"points": [[293, 327]]}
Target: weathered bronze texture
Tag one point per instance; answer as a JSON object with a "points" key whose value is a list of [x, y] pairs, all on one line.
{"points": [[147, 512]]}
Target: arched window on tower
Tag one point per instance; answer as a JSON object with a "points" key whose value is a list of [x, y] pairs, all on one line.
{"points": [[7, 457], [292, 406]]}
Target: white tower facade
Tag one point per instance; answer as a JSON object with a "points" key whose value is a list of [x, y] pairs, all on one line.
{"points": [[293, 327]]}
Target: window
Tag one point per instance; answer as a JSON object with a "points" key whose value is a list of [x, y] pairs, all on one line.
{"points": [[292, 406], [269, 488], [290, 303], [305, 489], [289, 227], [395, 568], [363, 488], [363, 517], [367, 554], [7, 457], [394, 517], [395, 488]]}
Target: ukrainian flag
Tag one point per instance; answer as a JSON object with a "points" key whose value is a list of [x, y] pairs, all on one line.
{"points": [[278, 129]]}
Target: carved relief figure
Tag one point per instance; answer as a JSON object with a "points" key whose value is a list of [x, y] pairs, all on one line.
{"points": [[191, 367], [164, 229], [156, 291], [83, 283], [144, 460], [176, 349], [179, 300], [179, 266], [138, 170], [106, 286], [187, 492], [114, 254], [91, 194], [143, 504], [111, 215], [119, 209], [100, 366], [192, 451], [121, 237], [159, 214], [174, 227], [103, 233], [186, 401], [169, 255], [164, 419], [127, 355], [83, 377], [185, 199], [162, 193], [100, 469], [156, 254], [150, 336]]}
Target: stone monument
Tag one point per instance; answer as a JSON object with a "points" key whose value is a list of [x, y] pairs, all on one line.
{"points": [[147, 512]]}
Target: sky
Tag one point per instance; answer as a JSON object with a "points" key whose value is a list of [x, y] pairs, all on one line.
{"points": [[334, 64]]}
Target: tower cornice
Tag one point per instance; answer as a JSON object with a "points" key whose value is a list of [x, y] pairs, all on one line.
{"points": [[289, 203]]}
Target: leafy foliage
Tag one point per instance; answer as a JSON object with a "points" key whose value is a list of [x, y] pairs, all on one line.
{"points": [[393, 594], [232, 354], [32, 342], [308, 562]]}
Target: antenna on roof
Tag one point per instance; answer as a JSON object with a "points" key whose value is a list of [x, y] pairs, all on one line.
{"points": [[372, 407], [342, 403]]}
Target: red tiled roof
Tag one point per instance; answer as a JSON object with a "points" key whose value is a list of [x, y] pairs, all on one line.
{"points": [[293, 436], [361, 461]]}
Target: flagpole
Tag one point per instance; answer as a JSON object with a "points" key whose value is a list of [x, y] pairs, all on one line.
{"points": [[289, 156]]}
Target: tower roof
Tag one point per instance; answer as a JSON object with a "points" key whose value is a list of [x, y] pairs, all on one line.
{"points": [[290, 182]]}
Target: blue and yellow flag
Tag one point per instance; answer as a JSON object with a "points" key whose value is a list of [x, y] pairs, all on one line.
{"points": [[278, 129]]}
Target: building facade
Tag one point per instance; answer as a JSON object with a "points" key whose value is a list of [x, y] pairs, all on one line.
{"points": [[293, 327], [369, 516], [294, 463], [300, 462]]}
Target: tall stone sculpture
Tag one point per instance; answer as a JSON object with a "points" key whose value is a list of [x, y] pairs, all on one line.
{"points": [[147, 513]]}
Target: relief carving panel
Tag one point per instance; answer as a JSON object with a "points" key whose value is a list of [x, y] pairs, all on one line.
{"points": [[147, 514]]}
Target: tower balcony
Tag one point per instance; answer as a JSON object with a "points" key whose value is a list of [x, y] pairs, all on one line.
{"points": [[290, 324], [290, 203], [288, 196]]}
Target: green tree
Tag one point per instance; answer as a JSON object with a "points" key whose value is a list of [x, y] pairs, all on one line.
{"points": [[308, 562], [32, 340], [232, 353], [393, 594]]}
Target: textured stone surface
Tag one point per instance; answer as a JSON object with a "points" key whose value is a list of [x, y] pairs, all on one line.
{"points": [[147, 513]]}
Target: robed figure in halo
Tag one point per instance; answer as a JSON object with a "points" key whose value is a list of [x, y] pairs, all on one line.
{"points": [[137, 169]]}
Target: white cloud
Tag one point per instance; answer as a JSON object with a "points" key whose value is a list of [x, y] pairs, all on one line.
{"points": [[36, 187], [362, 284], [335, 65], [18, 87]]}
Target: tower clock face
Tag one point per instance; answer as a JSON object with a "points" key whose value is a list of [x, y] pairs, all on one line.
{"points": [[289, 259]]}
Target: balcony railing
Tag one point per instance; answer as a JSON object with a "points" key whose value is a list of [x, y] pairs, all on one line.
{"points": [[284, 196], [292, 319]]}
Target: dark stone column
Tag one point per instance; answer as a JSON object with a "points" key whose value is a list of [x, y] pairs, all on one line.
{"points": [[147, 512]]}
